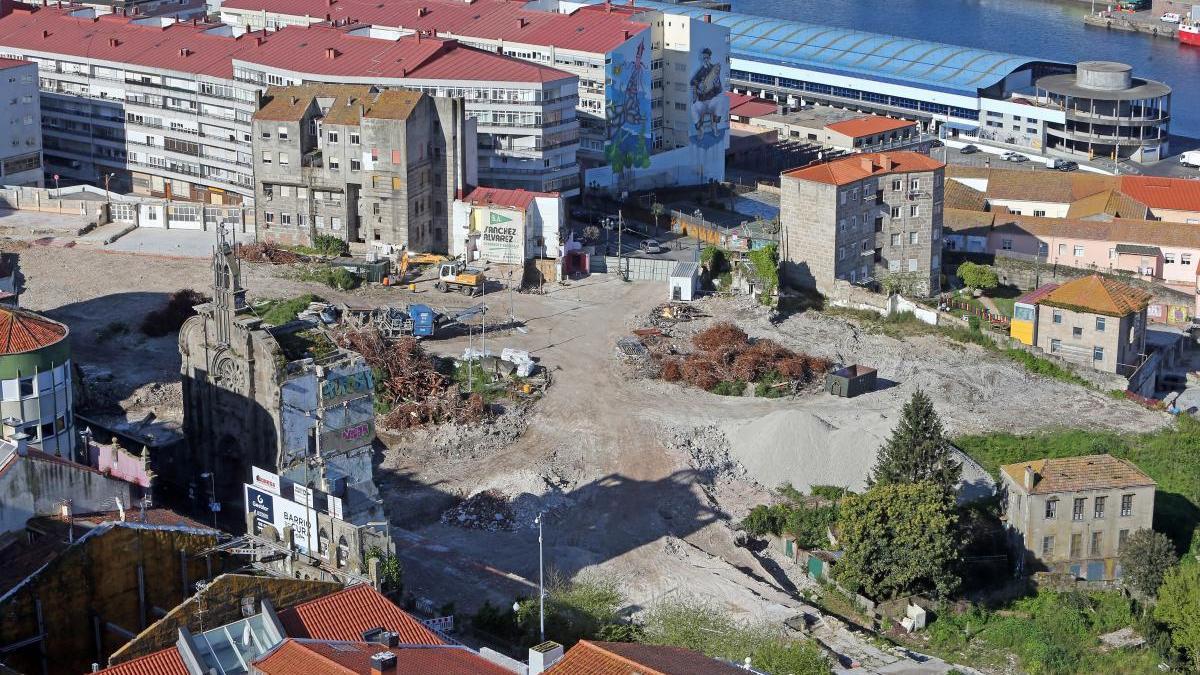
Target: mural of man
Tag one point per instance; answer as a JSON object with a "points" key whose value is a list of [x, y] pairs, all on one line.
{"points": [[707, 91]]}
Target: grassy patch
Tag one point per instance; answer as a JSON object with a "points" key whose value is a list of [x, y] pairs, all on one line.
{"points": [[1046, 367], [729, 388], [1171, 457], [337, 278], [304, 344], [279, 312], [324, 245], [1051, 632]]}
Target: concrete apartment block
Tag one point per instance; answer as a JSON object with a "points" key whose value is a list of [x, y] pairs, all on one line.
{"points": [[1073, 514], [864, 218], [360, 164]]}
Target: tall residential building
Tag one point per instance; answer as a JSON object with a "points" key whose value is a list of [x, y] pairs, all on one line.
{"points": [[20, 124], [361, 164], [166, 107], [864, 218], [1073, 514], [651, 106]]}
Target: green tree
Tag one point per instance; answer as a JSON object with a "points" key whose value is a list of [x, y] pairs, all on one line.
{"points": [[918, 449], [899, 539], [391, 572], [1179, 607], [981, 277], [1145, 558], [657, 209], [585, 608]]}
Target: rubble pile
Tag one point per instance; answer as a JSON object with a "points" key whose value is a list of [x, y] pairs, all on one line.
{"points": [[725, 353], [668, 314], [408, 385], [268, 253], [488, 510]]}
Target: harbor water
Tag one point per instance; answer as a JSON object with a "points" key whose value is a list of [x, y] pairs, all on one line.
{"points": [[1043, 29]]}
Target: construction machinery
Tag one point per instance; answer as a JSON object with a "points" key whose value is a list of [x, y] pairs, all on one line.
{"points": [[416, 320], [455, 275]]}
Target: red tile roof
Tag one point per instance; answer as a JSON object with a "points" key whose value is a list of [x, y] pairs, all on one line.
{"points": [[852, 168], [868, 126], [190, 48], [589, 657], [596, 29], [1098, 295], [331, 657], [744, 105], [1071, 474], [1175, 194], [1035, 296], [165, 662], [347, 614], [5, 64], [518, 199], [24, 331]]}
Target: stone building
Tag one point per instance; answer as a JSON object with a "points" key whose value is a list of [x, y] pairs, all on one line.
{"points": [[283, 398], [1095, 321], [1073, 514], [864, 218], [361, 164]]}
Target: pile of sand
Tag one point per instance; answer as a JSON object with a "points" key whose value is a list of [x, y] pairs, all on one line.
{"points": [[805, 449]]}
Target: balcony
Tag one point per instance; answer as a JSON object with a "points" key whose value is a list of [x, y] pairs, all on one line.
{"points": [[312, 160]]}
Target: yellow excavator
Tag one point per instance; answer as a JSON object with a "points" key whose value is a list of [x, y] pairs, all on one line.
{"points": [[408, 260]]}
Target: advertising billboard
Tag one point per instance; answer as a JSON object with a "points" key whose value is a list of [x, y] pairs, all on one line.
{"points": [[499, 234], [278, 512]]}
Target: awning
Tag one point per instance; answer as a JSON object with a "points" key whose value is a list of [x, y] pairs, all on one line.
{"points": [[961, 126]]}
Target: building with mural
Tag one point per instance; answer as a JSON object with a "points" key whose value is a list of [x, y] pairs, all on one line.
{"points": [[648, 77], [506, 226]]}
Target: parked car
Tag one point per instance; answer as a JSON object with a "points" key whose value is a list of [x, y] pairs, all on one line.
{"points": [[1015, 157], [651, 246], [968, 150], [1190, 158], [1170, 17], [1065, 165]]}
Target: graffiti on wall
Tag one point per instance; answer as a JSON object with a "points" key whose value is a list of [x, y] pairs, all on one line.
{"points": [[627, 108], [710, 106]]}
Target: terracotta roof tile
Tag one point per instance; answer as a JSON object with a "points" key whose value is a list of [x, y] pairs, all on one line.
{"points": [[589, 657], [967, 222], [1035, 296], [1071, 474], [868, 126], [165, 662], [744, 105], [1098, 295], [1045, 186], [515, 198], [347, 614], [960, 196], [334, 657], [845, 170], [5, 64], [24, 331], [1117, 231], [1175, 194]]}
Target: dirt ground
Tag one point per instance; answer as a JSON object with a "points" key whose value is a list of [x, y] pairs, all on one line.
{"points": [[641, 480]]}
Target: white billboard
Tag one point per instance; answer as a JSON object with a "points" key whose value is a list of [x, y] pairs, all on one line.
{"points": [[499, 233], [278, 512]]}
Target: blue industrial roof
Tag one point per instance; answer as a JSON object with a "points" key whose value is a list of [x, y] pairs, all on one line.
{"points": [[929, 65]]}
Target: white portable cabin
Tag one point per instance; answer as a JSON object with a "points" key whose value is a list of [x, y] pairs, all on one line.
{"points": [[684, 281]]}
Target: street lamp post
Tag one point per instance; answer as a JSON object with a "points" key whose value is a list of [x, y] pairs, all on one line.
{"points": [[541, 585], [213, 505]]}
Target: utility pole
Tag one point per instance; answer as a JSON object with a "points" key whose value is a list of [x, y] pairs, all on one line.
{"points": [[620, 251], [541, 584]]}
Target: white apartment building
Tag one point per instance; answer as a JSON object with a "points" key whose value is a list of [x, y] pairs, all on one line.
{"points": [[20, 124], [164, 108], [635, 68]]}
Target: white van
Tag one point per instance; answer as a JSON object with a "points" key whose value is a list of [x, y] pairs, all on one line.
{"points": [[1170, 17], [1190, 158]]}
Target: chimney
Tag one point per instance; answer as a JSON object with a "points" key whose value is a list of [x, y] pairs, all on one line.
{"points": [[885, 161], [521, 22], [113, 42], [708, 18], [258, 41], [184, 51], [21, 440], [543, 656], [868, 165], [383, 663], [381, 636], [362, 110], [331, 53], [295, 100], [1030, 478], [626, 35], [421, 11], [45, 34]]}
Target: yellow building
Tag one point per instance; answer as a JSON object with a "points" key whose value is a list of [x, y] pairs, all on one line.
{"points": [[1024, 322]]}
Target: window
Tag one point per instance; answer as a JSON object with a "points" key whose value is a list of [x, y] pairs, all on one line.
{"points": [[1055, 345], [266, 157], [354, 138], [1185, 258], [841, 253], [334, 163], [893, 265], [335, 223], [396, 183], [1098, 507], [1097, 543], [1076, 332], [268, 190], [26, 387], [285, 191], [1099, 324], [1058, 316], [1040, 213], [914, 184], [333, 137], [897, 184], [1121, 537], [1006, 244], [375, 209], [1077, 508], [1047, 546], [842, 197], [283, 159], [282, 133], [396, 157], [269, 216], [912, 237], [1097, 353], [355, 165], [895, 211], [1051, 508], [266, 133], [1126, 505], [896, 239], [1062, 249], [1168, 258], [1076, 545], [285, 219], [914, 210], [842, 225], [935, 263], [912, 264], [1078, 251]]}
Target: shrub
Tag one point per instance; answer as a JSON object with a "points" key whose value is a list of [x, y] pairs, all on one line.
{"points": [[330, 245], [279, 312], [180, 306], [978, 276], [729, 388]]}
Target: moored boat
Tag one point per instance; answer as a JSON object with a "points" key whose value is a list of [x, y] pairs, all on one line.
{"points": [[1189, 34]]}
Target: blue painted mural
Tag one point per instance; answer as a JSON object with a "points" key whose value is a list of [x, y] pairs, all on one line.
{"points": [[627, 107]]}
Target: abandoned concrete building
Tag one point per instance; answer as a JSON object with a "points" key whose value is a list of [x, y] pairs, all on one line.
{"points": [[360, 164], [283, 398]]}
